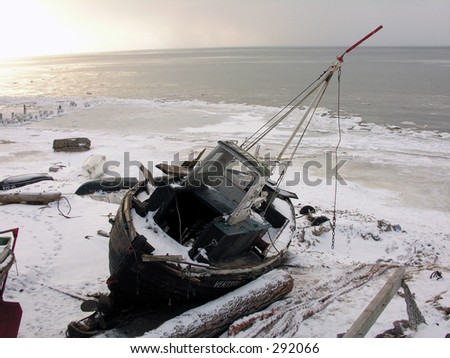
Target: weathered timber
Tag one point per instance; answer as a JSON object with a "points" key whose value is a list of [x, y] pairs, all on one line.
{"points": [[173, 169], [147, 174], [154, 258], [213, 318], [72, 144], [29, 198], [368, 317], [414, 315]]}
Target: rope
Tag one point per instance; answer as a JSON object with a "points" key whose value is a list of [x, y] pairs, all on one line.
{"points": [[66, 215], [333, 224], [179, 219]]}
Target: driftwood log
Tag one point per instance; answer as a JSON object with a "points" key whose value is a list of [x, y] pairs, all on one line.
{"points": [[213, 318], [72, 144], [29, 198]]}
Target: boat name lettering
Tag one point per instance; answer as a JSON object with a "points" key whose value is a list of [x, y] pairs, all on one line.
{"points": [[225, 284]]}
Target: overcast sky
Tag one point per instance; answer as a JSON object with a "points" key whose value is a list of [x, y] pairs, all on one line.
{"points": [[40, 27]]}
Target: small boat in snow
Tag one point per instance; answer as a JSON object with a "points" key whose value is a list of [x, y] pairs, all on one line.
{"points": [[18, 181]]}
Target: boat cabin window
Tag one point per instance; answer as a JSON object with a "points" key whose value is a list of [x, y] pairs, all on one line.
{"points": [[222, 169], [233, 173]]}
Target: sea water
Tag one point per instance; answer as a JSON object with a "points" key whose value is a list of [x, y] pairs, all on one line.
{"points": [[407, 87], [395, 102]]}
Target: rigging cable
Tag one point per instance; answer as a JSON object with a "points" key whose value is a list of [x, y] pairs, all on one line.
{"points": [[333, 223], [291, 158], [249, 143], [288, 163]]}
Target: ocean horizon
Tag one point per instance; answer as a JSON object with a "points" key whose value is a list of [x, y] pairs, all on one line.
{"points": [[397, 86]]}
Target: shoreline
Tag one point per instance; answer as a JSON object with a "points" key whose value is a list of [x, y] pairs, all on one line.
{"points": [[418, 176], [56, 253]]}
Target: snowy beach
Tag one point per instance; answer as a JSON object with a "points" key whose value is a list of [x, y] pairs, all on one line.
{"points": [[392, 209]]}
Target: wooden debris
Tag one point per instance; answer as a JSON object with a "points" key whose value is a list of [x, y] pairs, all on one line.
{"points": [[71, 144], [213, 318], [147, 174], [162, 258], [173, 169], [414, 315], [29, 198], [102, 233], [365, 321], [286, 317]]}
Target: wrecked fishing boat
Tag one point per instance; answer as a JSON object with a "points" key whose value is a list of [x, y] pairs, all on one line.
{"points": [[181, 240], [205, 228], [216, 229]]}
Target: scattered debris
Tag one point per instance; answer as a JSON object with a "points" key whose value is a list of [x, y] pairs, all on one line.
{"points": [[435, 303], [71, 144], [94, 165], [415, 317], [400, 327], [369, 235], [307, 210], [29, 198], [369, 316], [436, 274], [102, 233], [319, 220], [319, 231], [56, 167], [385, 226], [284, 318]]}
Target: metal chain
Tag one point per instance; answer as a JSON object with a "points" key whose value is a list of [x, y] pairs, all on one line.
{"points": [[333, 224]]}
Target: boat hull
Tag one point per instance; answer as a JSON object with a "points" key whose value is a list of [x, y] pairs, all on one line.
{"points": [[137, 278]]}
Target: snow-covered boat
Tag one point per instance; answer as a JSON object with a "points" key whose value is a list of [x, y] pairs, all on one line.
{"points": [[191, 236], [219, 227]]}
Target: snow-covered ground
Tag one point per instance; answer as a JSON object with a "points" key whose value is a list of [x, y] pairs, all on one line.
{"points": [[392, 210]]}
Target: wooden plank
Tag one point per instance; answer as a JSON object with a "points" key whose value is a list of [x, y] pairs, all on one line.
{"points": [[368, 317], [162, 258], [29, 198]]}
